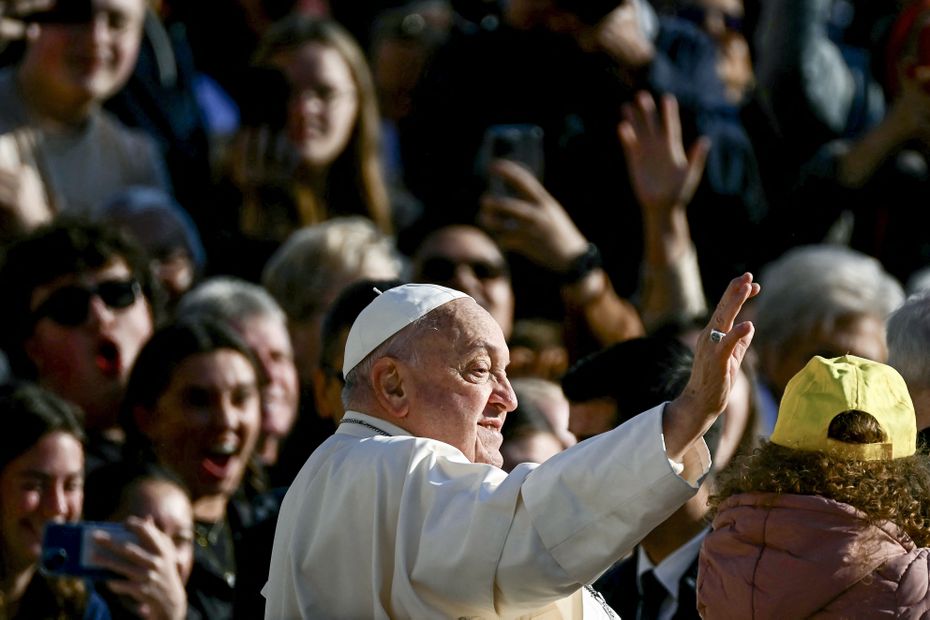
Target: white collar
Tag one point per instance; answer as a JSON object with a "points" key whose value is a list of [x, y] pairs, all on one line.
{"points": [[363, 425], [670, 570]]}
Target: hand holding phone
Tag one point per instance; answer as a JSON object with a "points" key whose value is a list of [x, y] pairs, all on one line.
{"points": [[152, 572], [70, 548], [522, 144], [136, 559], [533, 224]]}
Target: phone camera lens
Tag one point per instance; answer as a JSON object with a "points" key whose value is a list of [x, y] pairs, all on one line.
{"points": [[54, 559]]}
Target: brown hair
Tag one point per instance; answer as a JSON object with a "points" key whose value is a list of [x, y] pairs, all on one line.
{"points": [[359, 165], [895, 490]]}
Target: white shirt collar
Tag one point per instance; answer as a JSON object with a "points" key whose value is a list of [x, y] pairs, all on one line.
{"points": [[670, 570]]}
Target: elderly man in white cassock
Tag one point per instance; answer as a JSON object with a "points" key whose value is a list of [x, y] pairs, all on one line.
{"points": [[404, 512]]}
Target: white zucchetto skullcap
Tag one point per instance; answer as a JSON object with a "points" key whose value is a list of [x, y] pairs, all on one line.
{"points": [[390, 312]]}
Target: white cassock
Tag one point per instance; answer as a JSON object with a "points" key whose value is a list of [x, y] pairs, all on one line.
{"points": [[380, 524]]}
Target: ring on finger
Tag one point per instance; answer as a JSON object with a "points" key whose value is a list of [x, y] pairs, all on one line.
{"points": [[717, 335]]}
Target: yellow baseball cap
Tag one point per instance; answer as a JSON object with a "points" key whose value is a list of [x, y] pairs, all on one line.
{"points": [[826, 388]]}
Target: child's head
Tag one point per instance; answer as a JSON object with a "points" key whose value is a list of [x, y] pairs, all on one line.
{"points": [[848, 407], [846, 431], [115, 493]]}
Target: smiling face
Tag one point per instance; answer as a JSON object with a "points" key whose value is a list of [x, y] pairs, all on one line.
{"points": [[44, 484], [324, 107], [89, 363], [456, 385], [89, 61], [268, 337], [205, 424]]}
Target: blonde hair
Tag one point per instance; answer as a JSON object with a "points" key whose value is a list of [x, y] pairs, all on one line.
{"points": [[316, 262]]}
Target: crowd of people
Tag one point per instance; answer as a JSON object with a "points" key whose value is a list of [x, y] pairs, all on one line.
{"points": [[405, 309]]}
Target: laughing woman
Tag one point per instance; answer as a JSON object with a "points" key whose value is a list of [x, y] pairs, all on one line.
{"points": [[41, 481], [193, 406]]}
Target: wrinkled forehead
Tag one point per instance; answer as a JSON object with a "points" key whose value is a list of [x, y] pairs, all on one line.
{"points": [[461, 325]]}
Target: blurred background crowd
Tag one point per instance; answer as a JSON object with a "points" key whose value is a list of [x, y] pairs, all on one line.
{"points": [[198, 198]]}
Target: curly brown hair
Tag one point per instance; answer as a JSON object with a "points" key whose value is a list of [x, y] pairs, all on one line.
{"points": [[895, 490]]}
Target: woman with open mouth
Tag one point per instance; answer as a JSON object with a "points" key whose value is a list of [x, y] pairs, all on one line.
{"points": [[193, 406]]}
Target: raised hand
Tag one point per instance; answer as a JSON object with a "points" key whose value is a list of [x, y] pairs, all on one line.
{"points": [[23, 204], [662, 174], [908, 118], [11, 27], [536, 226], [717, 361]]}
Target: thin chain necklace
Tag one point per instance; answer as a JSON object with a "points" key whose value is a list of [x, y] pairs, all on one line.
{"points": [[206, 535], [366, 425], [216, 544]]}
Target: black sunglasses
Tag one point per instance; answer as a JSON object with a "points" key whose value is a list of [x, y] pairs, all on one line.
{"points": [[439, 269], [69, 305]]}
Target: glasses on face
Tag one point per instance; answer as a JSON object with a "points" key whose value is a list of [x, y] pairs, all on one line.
{"points": [[70, 305], [439, 269], [326, 95]]}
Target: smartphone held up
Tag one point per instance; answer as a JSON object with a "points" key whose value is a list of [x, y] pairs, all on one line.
{"points": [[522, 144], [69, 549]]}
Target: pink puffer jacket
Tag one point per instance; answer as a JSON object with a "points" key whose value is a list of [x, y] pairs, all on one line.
{"points": [[798, 556]]}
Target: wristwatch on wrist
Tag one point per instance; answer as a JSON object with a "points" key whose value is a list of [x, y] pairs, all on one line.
{"points": [[582, 265]]}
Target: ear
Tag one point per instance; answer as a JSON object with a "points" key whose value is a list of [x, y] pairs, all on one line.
{"points": [[387, 381]]}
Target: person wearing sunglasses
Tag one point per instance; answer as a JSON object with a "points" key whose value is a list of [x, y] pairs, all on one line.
{"points": [[77, 310], [467, 259]]}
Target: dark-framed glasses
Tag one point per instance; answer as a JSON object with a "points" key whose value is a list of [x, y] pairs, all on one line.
{"points": [[70, 305]]}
